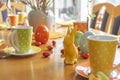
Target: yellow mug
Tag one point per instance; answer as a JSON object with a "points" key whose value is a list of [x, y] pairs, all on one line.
{"points": [[102, 49], [21, 17]]}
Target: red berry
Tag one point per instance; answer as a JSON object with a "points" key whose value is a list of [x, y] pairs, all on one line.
{"points": [[49, 47], [37, 43], [85, 55], [46, 54], [62, 51], [53, 43], [78, 48]]}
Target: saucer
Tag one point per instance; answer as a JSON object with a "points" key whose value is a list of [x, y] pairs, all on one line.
{"points": [[3, 45], [11, 51], [83, 69]]}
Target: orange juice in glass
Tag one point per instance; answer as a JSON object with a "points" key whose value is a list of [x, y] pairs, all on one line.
{"points": [[81, 26], [102, 51], [21, 16], [12, 20]]}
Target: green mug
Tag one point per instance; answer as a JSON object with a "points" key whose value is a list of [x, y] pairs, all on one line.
{"points": [[21, 38]]}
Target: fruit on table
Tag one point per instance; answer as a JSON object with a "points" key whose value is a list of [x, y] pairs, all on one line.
{"points": [[53, 43], [83, 41], [50, 48], [62, 51], [46, 54], [78, 48], [85, 55], [77, 38], [37, 43], [99, 76], [41, 34]]}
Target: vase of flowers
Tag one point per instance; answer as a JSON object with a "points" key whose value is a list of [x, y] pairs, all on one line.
{"points": [[40, 13]]}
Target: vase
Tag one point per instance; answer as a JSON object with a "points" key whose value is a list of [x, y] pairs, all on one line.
{"points": [[37, 18]]}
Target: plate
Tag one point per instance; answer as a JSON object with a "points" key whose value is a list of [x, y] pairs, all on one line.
{"points": [[3, 45], [11, 51], [83, 69]]}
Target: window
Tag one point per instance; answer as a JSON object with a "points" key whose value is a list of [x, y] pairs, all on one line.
{"points": [[71, 10]]}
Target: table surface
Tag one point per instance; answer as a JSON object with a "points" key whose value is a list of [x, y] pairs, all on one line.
{"points": [[36, 67]]}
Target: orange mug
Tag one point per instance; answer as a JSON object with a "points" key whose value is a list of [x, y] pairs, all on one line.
{"points": [[12, 20], [81, 26]]}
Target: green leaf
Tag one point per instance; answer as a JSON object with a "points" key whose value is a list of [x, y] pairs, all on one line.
{"points": [[92, 16]]}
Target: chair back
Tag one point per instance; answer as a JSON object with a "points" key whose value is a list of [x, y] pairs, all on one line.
{"points": [[4, 11], [115, 28], [104, 15], [17, 7]]}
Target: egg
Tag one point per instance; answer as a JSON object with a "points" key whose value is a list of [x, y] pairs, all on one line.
{"points": [[77, 38], [83, 41]]}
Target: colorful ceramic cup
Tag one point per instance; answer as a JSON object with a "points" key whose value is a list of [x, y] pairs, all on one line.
{"points": [[102, 51], [12, 20], [21, 38], [81, 26], [21, 16]]}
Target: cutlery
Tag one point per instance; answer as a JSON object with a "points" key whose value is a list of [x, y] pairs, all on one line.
{"points": [[4, 55]]}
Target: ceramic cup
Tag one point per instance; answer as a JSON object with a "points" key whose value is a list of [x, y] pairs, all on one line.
{"points": [[81, 26], [21, 16], [12, 20], [21, 38], [102, 51]]}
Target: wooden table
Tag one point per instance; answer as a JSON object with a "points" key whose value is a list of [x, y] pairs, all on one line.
{"points": [[37, 67]]}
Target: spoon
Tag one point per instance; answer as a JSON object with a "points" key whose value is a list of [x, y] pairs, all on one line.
{"points": [[118, 65], [3, 55]]}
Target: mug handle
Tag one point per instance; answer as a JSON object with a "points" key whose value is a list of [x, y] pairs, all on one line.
{"points": [[7, 21], [12, 39]]}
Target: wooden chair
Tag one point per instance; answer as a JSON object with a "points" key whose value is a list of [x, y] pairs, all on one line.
{"points": [[3, 13], [115, 28], [16, 7], [104, 15]]}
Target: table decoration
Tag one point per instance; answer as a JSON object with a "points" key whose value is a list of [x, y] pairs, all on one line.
{"points": [[40, 13], [83, 41], [77, 38], [41, 34], [70, 50]]}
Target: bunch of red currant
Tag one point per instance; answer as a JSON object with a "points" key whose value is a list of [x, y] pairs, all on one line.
{"points": [[83, 55], [50, 48]]}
